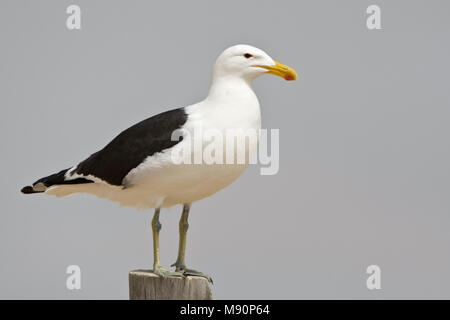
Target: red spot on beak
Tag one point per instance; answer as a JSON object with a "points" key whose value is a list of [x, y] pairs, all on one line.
{"points": [[288, 77]]}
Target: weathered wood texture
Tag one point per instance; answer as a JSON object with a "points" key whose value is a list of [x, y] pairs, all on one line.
{"points": [[145, 285]]}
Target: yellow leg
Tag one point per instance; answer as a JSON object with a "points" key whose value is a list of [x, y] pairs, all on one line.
{"points": [[156, 227], [157, 268], [183, 227], [180, 263]]}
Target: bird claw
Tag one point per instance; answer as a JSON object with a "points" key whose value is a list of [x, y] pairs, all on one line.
{"points": [[190, 272]]}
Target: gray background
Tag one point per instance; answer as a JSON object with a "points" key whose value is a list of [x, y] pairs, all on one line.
{"points": [[364, 172]]}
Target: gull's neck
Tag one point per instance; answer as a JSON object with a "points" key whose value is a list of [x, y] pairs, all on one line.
{"points": [[231, 103], [228, 88]]}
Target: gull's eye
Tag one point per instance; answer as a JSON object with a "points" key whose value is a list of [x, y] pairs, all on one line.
{"points": [[248, 55]]}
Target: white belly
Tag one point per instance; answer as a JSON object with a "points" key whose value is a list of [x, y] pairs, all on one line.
{"points": [[188, 183]]}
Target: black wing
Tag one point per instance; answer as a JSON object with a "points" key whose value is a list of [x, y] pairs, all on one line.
{"points": [[132, 146]]}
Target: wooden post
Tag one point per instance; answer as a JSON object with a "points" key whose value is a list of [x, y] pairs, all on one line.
{"points": [[145, 285]]}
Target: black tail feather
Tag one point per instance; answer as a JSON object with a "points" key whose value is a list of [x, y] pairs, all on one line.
{"points": [[51, 180]]}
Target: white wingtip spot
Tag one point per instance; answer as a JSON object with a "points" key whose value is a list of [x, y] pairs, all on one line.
{"points": [[39, 187]]}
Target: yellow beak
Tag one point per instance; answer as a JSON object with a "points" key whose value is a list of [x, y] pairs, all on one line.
{"points": [[281, 70]]}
